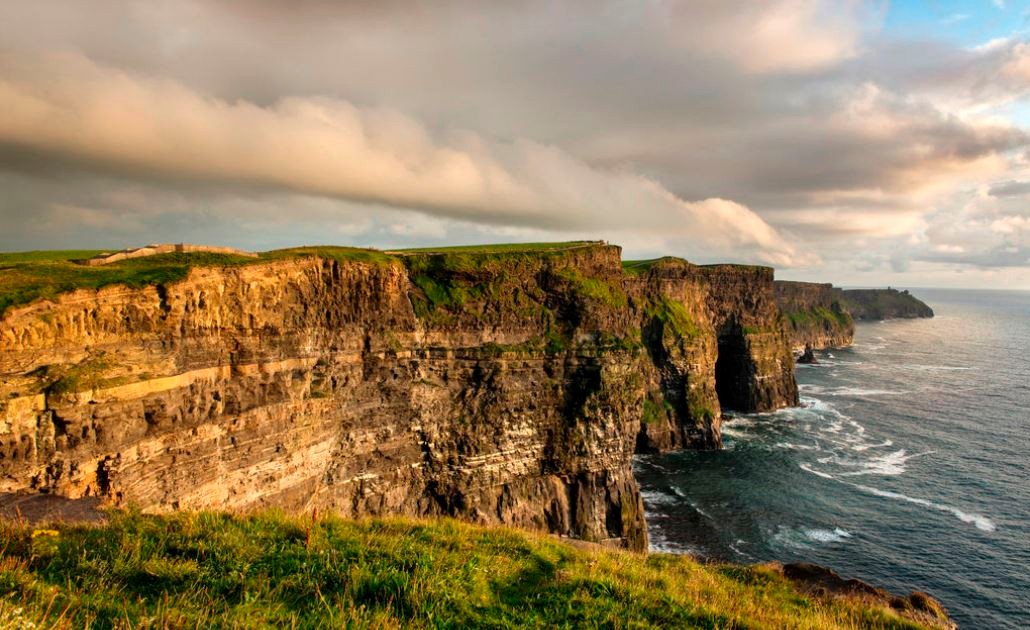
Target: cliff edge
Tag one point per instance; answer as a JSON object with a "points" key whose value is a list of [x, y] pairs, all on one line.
{"points": [[506, 385]]}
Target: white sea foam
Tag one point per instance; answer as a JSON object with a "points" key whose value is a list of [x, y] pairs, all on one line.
{"points": [[737, 428], [866, 447], [981, 522], [796, 447], [889, 464], [738, 422], [808, 468], [933, 368], [655, 497], [826, 535], [661, 544], [845, 390], [698, 509]]}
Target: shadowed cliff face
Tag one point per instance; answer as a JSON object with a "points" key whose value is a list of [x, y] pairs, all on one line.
{"points": [[507, 388], [815, 315], [880, 304]]}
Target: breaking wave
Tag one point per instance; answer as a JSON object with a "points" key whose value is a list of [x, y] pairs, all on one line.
{"points": [[981, 522]]}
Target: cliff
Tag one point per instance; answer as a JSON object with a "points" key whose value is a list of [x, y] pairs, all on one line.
{"points": [[879, 304], [500, 386], [815, 314]]}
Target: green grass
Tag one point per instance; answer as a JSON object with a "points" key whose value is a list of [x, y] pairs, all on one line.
{"points": [[637, 267], [469, 281], [701, 412], [594, 289], [216, 570], [655, 412], [28, 276], [497, 248], [674, 315], [818, 316]]}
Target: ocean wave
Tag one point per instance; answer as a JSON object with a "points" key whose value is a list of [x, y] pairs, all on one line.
{"points": [[932, 368], [865, 447], [981, 522], [735, 548], [796, 447], [807, 468], [804, 537], [978, 520], [657, 497], [869, 347], [845, 390], [738, 421], [659, 542], [826, 535], [888, 464]]}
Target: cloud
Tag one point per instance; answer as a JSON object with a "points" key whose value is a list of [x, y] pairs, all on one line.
{"points": [[94, 116], [987, 231], [1010, 189], [799, 125], [955, 18]]}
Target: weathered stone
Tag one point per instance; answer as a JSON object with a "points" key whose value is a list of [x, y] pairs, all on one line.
{"points": [[815, 315], [316, 383]]}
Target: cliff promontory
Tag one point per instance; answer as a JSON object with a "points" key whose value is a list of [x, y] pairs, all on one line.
{"points": [[879, 304], [500, 385]]}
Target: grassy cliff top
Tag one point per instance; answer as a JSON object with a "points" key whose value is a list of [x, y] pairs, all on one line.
{"points": [[218, 570], [28, 276], [499, 248]]}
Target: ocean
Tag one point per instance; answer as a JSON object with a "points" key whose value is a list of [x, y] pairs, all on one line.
{"points": [[908, 465]]}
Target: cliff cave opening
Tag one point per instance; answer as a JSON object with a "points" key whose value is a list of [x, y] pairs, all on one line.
{"points": [[732, 367]]}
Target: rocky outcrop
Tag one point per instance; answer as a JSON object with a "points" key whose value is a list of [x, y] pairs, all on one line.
{"points": [[880, 304], [501, 388], [820, 581], [815, 314]]}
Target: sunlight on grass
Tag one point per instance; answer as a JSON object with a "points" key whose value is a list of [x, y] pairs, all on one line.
{"points": [[270, 570]]}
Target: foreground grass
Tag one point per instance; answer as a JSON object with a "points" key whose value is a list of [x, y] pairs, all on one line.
{"points": [[216, 570], [28, 276]]}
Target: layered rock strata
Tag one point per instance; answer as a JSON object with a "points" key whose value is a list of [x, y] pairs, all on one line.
{"points": [[499, 388], [815, 315]]}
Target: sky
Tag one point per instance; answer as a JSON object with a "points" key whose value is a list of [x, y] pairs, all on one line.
{"points": [[863, 143]]}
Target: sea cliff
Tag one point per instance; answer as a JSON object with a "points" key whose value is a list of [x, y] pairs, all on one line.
{"points": [[815, 314], [499, 385], [880, 304]]}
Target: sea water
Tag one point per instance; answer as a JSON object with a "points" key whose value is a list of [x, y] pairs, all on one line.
{"points": [[907, 465]]}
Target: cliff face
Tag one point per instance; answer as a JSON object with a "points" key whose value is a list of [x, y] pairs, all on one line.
{"points": [[879, 304], [715, 338], [502, 388], [815, 314]]}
